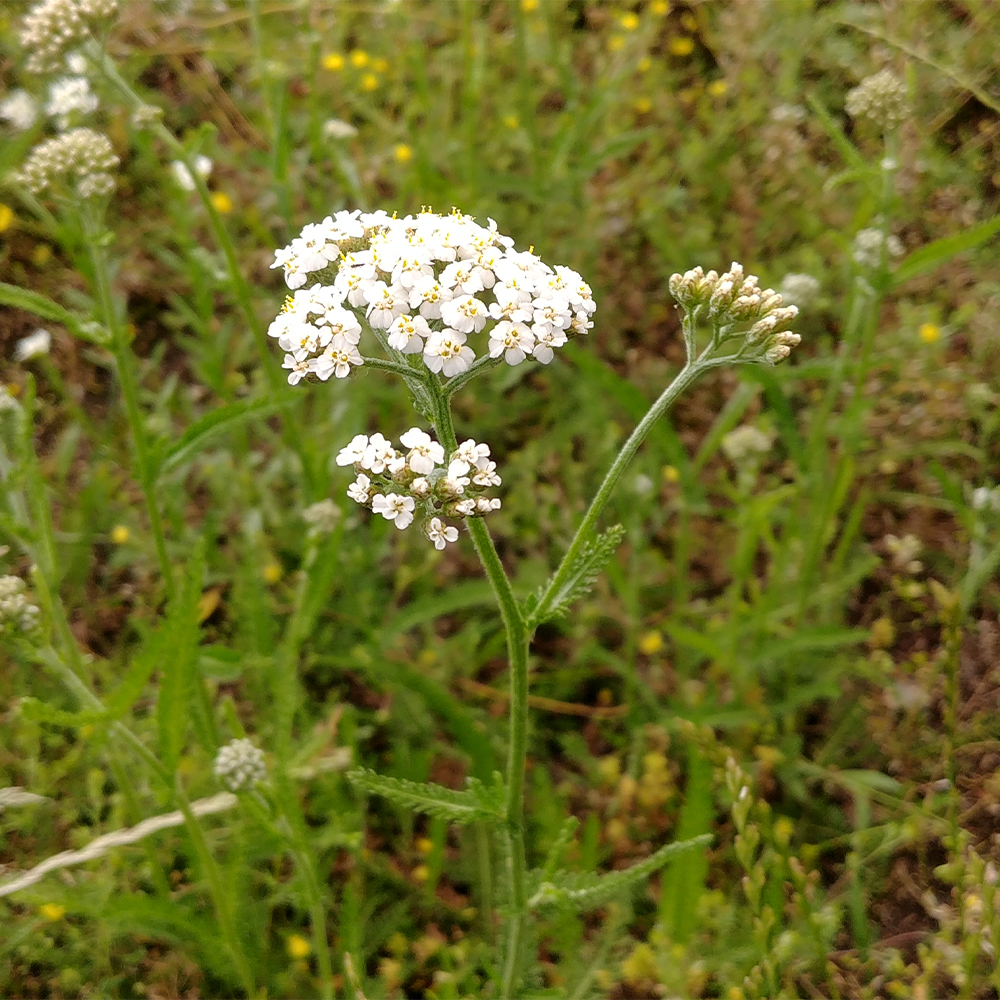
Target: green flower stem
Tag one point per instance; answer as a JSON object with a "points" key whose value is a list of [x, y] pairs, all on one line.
{"points": [[125, 367], [518, 639], [220, 897], [685, 377]]}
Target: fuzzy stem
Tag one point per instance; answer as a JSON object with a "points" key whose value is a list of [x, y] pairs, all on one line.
{"points": [[685, 377]]}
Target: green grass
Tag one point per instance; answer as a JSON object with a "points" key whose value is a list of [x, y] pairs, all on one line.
{"points": [[759, 626]]}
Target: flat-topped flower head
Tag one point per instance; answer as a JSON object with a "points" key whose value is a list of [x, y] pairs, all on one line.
{"points": [[421, 481], [17, 614], [54, 27], [441, 290], [880, 99], [239, 765], [76, 163]]}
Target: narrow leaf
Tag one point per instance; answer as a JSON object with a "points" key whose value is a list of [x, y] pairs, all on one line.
{"points": [[210, 426], [940, 251], [478, 803], [45, 308]]}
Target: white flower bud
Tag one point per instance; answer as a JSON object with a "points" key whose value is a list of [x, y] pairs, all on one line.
{"points": [[881, 99], [53, 27], [78, 160], [239, 765]]}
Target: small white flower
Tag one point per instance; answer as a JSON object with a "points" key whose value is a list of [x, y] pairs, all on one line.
{"points": [[420, 487], [467, 455], [385, 303], [466, 507], [394, 507], [336, 359], [202, 167], [353, 452], [239, 765], [70, 95], [487, 475], [424, 452], [546, 340], [446, 352], [514, 340], [360, 489], [465, 314], [378, 454], [20, 109], [298, 369], [334, 128], [440, 534], [407, 334], [39, 342], [484, 504]]}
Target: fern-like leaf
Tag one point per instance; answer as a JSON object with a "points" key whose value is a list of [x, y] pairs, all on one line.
{"points": [[584, 891], [478, 802], [584, 571]]}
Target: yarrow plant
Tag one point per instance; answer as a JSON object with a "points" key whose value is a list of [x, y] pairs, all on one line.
{"points": [[54, 27], [77, 163], [448, 298]]}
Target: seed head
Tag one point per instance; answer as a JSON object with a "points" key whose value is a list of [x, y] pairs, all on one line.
{"points": [[239, 765], [881, 99], [55, 26], [78, 160]]}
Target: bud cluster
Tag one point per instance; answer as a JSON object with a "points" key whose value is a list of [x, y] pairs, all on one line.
{"points": [[395, 484], [239, 765], [80, 159], [738, 307], [881, 99], [54, 26], [17, 613]]}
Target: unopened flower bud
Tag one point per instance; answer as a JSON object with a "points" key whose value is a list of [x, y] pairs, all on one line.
{"points": [[239, 765], [881, 99], [53, 27], [78, 160]]}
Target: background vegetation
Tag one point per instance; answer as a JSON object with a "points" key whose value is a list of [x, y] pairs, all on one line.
{"points": [[822, 613]]}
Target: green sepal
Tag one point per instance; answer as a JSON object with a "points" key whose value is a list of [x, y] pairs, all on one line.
{"points": [[584, 572], [582, 891], [478, 802]]}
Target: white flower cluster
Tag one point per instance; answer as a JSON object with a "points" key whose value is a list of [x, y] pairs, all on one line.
{"points": [[239, 765], [17, 613], [871, 245], [20, 109], [746, 443], [69, 96], [880, 98], [54, 26], [800, 290], [739, 307], [394, 483], [322, 517], [81, 157], [426, 283]]}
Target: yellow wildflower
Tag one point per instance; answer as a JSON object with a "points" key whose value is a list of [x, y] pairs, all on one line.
{"points": [[222, 202], [424, 845], [681, 46], [717, 88], [41, 255], [629, 21], [651, 642], [380, 65], [529, 5], [616, 43], [644, 65], [272, 573], [369, 82], [6, 217], [52, 911], [421, 873], [660, 7], [359, 59], [120, 534], [670, 474], [643, 105], [929, 333], [403, 153], [334, 61], [298, 946], [511, 121]]}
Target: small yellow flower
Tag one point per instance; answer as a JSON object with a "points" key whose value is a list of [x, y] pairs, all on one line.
{"points": [[6, 217], [629, 21], [670, 474], [651, 642], [369, 82], [660, 8], [41, 255], [681, 46], [298, 947], [616, 43], [271, 573], [380, 65], [421, 873], [403, 153], [222, 202], [359, 59], [783, 830], [424, 845], [717, 88], [529, 5], [929, 333], [644, 65], [643, 105], [511, 121], [689, 22], [120, 534], [334, 61], [52, 911]]}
